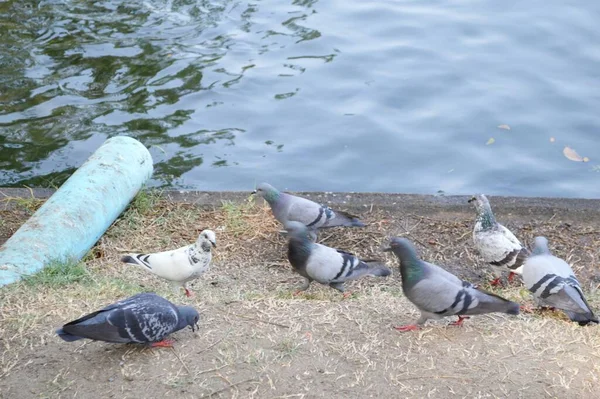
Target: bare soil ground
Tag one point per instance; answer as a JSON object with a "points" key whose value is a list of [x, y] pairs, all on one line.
{"points": [[259, 341]]}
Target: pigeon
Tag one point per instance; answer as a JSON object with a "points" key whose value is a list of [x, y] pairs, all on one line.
{"points": [[324, 264], [180, 265], [553, 284], [288, 207], [438, 293], [495, 243], [143, 318]]}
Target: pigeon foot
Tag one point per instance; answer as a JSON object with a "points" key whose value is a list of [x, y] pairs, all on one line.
{"points": [[511, 277], [409, 327], [459, 322], [496, 282], [188, 293], [526, 309], [165, 343]]}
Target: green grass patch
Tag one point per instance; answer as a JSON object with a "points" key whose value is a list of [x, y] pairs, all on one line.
{"points": [[58, 274], [145, 201], [29, 204], [236, 212]]}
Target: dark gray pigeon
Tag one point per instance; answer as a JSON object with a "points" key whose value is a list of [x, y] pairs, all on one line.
{"points": [[553, 284], [438, 293], [496, 244], [288, 207], [324, 264], [143, 318]]}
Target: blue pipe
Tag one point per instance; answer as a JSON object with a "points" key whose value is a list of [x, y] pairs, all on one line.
{"points": [[80, 211]]}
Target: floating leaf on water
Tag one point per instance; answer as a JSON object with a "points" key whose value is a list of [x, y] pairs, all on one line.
{"points": [[552, 139], [491, 141], [505, 127], [572, 155]]}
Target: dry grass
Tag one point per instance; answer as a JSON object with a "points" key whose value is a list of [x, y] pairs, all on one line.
{"points": [[257, 340]]}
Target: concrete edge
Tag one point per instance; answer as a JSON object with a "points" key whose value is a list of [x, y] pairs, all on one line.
{"points": [[354, 200]]}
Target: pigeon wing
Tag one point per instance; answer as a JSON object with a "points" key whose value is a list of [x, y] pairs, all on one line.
{"points": [[439, 295], [95, 326], [307, 212]]}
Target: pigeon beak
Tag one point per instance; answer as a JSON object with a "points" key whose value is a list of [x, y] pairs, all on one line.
{"points": [[387, 249], [214, 244], [253, 192], [472, 199]]}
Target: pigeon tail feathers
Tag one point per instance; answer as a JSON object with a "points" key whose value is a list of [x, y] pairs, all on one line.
{"points": [[368, 268], [377, 269], [128, 259], [66, 336], [344, 219], [582, 318], [491, 302]]}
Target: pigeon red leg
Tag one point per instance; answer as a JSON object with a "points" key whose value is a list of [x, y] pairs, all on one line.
{"points": [[459, 322], [511, 276], [188, 293], [495, 282], [408, 327], [165, 343], [526, 309]]}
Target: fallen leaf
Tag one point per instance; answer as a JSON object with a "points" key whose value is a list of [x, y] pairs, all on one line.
{"points": [[491, 141], [572, 155], [505, 127], [552, 139]]}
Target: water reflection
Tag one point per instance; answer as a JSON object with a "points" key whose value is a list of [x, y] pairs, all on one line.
{"points": [[307, 95], [73, 70]]}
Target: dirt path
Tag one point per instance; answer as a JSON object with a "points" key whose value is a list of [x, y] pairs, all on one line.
{"points": [[257, 340]]}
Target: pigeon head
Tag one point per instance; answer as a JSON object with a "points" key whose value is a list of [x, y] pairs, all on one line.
{"points": [[207, 237], [484, 210], [267, 191], [540, 246], [403, 249], [298, 230], [188, 316], [410, 264]]}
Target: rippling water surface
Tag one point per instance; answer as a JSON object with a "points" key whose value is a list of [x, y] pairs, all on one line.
{"points": [[392, 96]]}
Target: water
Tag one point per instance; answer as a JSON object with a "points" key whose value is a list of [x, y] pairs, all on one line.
{"points": [[391, 96]]}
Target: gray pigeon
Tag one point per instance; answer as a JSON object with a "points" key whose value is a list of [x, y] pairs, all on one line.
{"points": [[495, 243], [553, 284], [288, 207], [438, 293], [324, 264], [142, 318]]}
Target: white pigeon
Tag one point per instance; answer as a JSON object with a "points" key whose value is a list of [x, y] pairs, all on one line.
{"points": [[553, 284], [179, 265], [496, 244]]}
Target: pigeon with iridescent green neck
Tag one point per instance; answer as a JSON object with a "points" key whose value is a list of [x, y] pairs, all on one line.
{"points": [[325, 265], [553, 284], [495, 243], [288, 208], [438, 293]]}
